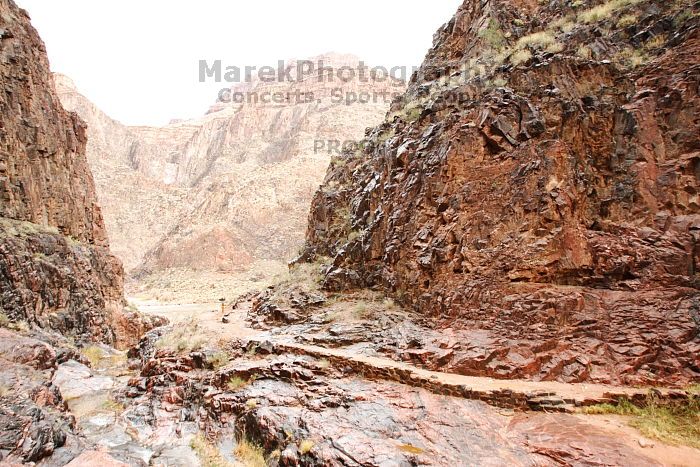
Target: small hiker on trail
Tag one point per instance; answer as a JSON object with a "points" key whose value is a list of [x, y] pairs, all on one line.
{"points": [[223, 310]]}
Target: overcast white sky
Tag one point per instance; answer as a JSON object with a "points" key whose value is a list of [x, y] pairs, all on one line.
{"points": [[138, 60]]}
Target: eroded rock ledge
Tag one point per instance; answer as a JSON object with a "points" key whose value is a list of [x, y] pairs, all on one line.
{"points": [[537, 187]]}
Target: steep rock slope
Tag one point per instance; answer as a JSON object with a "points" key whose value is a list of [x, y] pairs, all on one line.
{"points": [[227, 191], [138, 209], [537, 187], [56, 269]]}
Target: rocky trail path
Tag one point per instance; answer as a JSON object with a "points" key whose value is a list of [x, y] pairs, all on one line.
{"points": [[407, 404], [507, 393], [138, 433], [517, 394]]}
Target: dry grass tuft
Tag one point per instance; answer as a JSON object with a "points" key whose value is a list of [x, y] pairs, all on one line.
{"points": [[584, 52], [604, 11], [236, 383], [306, 446], [555, 48], [252, 455], [184, 338], [218, 359], [411, 449], [626, 20], [537, 39], [94, 355], [112, 405], [677, 423], [520, 56], [363, 310], [208, 453]]}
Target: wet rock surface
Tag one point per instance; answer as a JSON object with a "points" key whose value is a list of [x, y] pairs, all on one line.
{"points": [[545, 209], [304, 410], [33, 421]]}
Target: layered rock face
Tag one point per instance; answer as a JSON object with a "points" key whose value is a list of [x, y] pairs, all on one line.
{"points": [[233, 187], [56, 269], [537, 189], [138, 210]]}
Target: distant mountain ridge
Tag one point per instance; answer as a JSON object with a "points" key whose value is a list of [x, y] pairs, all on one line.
{"points": [[220, 192]]}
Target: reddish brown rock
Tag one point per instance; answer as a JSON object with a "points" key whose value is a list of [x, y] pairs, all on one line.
{"points": [[549, 205], [56, 269]]}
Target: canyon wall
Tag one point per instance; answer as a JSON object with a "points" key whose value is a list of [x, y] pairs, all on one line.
{"points": [[56, 269], [229, 191], [537, 185]]}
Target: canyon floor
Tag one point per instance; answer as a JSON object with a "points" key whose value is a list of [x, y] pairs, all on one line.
{"points": [[321, 390]]}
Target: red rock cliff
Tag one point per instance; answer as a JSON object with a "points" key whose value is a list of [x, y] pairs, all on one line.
{"points": [[55, 266], [538, 184]]}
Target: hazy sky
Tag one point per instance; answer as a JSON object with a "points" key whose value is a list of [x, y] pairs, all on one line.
{"points": [[138, 60]]}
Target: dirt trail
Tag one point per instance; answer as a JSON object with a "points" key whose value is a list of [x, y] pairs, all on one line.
{"points": [[552, 393], [546, 395]]}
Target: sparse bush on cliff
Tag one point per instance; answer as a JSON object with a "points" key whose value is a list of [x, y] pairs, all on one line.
{"points": [[17, 228], [412, 113], [492, 35]]}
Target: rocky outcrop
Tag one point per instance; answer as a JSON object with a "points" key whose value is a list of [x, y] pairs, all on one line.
{"points": [[537, 187], [33, 423], [56, 269], [303, 410]]}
